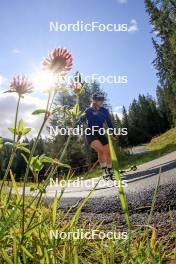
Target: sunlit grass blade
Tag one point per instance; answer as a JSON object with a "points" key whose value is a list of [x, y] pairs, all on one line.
{"points": [[6, 257], [121, 192], [154, 199], [78, 211], [122, 195], [14, 186], [75, 253], [54, 208], [27, 253]]}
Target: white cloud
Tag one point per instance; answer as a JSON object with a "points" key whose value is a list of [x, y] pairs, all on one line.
{"points": [[3, 81], [15, 51], [133, 27], [122, 1], [117, 110], [27, 106], [156, 32]]}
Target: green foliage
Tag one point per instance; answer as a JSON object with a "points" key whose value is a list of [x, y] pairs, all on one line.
{"points": [[20, 131], [163, 19], [143, 121], [164, 140], [77, 153], [26, 223], [40, 111], [121, 192], [1, 144], [126, 160], [38, 246]]}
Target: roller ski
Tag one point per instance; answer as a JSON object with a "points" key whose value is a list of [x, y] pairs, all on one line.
{"points": [[132, 168], [109, 172]]}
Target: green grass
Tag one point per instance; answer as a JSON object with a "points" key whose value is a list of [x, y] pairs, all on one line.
{"points": [[19, 184], [142, 245], [164, 140], [158, 147], [35, 244], [127, 160]]}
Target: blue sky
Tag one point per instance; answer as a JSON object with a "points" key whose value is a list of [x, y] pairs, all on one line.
{"points": [[26, 39]]}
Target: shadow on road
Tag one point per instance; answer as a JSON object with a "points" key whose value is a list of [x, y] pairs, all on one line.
{"points": [[139, 175]]}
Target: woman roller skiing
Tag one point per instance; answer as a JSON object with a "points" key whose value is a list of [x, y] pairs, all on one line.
{"points": [[98, 116]]}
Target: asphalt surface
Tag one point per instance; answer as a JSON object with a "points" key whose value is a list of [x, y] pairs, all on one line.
{"points": [[139, 186], [104, 204], [144, 178]]}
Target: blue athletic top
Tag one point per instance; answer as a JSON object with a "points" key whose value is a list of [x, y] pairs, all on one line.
{"points": [[96, 117]]}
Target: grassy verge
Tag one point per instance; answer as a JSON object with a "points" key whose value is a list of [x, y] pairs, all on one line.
{"points": [[158, 147], [20, 184], [54, 236], [164, 140], [127, 160], [46, 234]]}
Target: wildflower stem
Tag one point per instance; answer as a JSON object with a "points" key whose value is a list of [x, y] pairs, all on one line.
{"points": [[13, 150], [69, 137], [29, 161], [16, 117], [7, 171], [40, 197], [65, 148], [48, 107], [53, 171]]}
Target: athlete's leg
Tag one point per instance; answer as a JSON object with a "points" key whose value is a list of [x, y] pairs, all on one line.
{"points": [[102, 157], [107, 154], [98, 147]]}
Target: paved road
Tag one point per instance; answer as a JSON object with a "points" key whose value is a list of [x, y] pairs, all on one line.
{"points": [[144, 178], [104, 204], [138, 149]]}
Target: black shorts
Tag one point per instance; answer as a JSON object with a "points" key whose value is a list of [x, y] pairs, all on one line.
{"points": [[102, 138]]}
